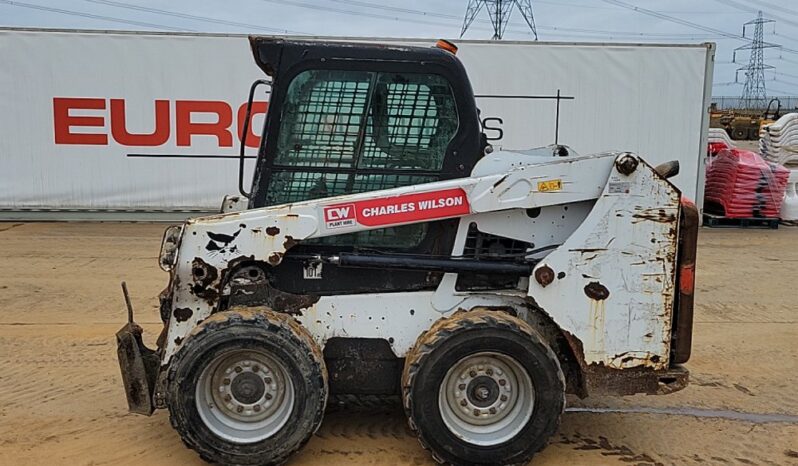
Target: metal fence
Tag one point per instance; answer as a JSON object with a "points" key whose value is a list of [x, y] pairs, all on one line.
{"points": [[735, 103]]}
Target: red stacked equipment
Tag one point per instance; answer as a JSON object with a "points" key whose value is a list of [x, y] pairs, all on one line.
{"points": [[741, 184], [715, 147]]}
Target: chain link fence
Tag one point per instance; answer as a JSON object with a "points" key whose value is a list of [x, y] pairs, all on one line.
{"points": [[788, 104]]}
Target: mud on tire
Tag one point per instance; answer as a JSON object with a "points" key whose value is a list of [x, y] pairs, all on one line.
{"points": [[251, 354], [470, 362]]}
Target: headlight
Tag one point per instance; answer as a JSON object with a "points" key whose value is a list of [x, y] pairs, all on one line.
{"points": [[168, 255]]}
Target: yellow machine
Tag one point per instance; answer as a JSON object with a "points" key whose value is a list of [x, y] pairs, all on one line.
{"points": [[742, 124]]}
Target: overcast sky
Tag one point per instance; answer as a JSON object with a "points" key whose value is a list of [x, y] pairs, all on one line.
{"points": [[570, 20]]}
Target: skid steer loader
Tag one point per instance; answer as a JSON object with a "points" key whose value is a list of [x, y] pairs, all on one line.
{"points": [[385, 249]]}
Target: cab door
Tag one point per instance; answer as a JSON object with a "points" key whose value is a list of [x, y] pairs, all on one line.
{"points": [[350, 131]]}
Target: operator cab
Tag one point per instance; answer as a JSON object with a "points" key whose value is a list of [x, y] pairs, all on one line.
{"points": [[345, 118]]}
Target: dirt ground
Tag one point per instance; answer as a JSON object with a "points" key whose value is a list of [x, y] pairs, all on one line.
{"points": [[61, 399]]}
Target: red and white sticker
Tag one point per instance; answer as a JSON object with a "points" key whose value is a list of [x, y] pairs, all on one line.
{"points": [[339, 216], [398, 209]]}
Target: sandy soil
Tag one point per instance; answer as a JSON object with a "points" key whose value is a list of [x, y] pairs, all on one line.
{"points": [[61, 400], [748, 145]]}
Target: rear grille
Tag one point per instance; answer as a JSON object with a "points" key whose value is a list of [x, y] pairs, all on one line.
{"points": [[480, 245]]}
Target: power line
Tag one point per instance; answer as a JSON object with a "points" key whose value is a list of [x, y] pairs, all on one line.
{"points": [[740, 7], [554, 3], [785, 93], [411, 11], [684, 22], [591, 33], [672, 19], [625, 33], [629, 36], [92, 16], [575, 5], [611, 8], [776, 7], [582, 5], [621, 37], [380, 6], [588, 33], [790, 83], [313, 6], [317, 7], [191, 17], [782, 37], [743, 7]]}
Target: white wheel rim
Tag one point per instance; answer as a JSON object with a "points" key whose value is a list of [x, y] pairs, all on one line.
{"points": [[244, 396], [486, 398]]}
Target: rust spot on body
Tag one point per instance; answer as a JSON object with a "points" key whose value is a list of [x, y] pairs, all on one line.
{"points": [[291, 303], [597, 291], [204, 276], [272, 231], [289, 243], [275, 258], [182, 314], [544, 275], [602, 379], [659, 216]]}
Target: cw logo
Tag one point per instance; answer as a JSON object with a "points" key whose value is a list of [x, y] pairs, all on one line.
{"points": [[341, 212]]}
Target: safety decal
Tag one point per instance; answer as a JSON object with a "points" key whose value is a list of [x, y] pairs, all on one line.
{"points": [[549, 186], [398, 209]]}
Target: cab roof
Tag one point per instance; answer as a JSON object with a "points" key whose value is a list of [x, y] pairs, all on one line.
{"points": [[273, 54]]}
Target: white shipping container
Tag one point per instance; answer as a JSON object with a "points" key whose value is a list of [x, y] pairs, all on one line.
{"points": [[97, 122]]}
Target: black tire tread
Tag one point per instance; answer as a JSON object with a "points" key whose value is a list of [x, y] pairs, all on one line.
{"points": [[461, 320], [275, 321]]}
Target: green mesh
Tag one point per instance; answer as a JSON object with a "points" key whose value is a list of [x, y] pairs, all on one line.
{"points": [[377, 128]]}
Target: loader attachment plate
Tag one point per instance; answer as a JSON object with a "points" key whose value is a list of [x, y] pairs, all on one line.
{"points": [[139, 366]]}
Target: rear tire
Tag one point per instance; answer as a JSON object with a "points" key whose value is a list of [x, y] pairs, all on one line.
{"points": [[482, 387], [248, 387]]}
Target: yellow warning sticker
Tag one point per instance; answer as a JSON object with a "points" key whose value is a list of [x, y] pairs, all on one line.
{"points": [[549, 186]]}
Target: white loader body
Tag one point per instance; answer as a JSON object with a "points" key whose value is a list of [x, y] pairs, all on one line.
{"points": [[614, 250]]}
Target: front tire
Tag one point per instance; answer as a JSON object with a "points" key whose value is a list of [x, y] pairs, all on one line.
{"points": [[482, 387], [247, 387]]}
